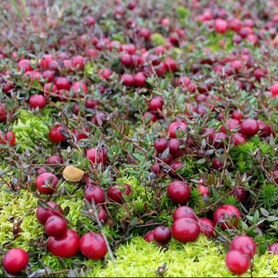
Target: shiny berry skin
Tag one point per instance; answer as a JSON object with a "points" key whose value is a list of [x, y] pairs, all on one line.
{"points": [[217, 164], [240, 193], [102, 215], [140, 80], [62, 83], [227, 217], [48, 75], [56, 135], [128, 80], [47, 183], [179, 192], [37, 101], [149, 237], [95, 193], [24, 65], [221, 26], [174, 147], [185, 212], [56, 226], [93, 246], [244, 244], [249, 127], [55, 159], [150, 117], [10, 138], [79, 88], [66, 247], [273, 249], [274, 90], [207, 227], [15, 261], [237, 115], [3, 113], [185, 230], [237, 262], [97, 156], [126, 60], [176, 129], [156, 104], [114, 194], [162, 234], [160, 144], [44, 213], [238, 139], [78, 62]]}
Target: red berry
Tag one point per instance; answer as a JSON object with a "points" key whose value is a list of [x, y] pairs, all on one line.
{"points": [[179, 192], [126, 60], [156, 104], [185, 212], [244, 244], [10, 138], [160, 145], [237, 115], [171, 65], [56, 135], [15, 261], [274, 90], [56, 226], [217, 164], [44, 213], [48, 75], [102, 215], [97, 156], [140, 80], [149, 237], [128, 80], [227, 216], [79, 88], [207, 227], [237, 262], [114, 193], [93, 246], [62, 83], [24, 65], [204, 190], [240, 193], [249, 127], [221, 26], [162, 235], [238, 139], [177, 129], [174, 147], [78, 62], [37, 101], [47, 183], [65, 247], [185, 230], [273, 249], [55, 159], [95, 193], [3, 113]]}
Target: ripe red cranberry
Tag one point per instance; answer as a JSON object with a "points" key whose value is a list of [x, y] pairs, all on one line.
{"points": [[274, 90], [65, 247], [56, 226], [185, 230], [237, 262], [179, 192], [162, 234], [161, 70], [140, 80], [204, 190], [185, 212], [176, 166], [47, 183], [15, 261], [56, 135], [273, 249], [24, 65], [145, 33], [49, 88], [78, 88], [240, 193], [238, 139], [249, 127], [128, 80], [244, 244], [227, 216], [9, 138], [91, 103], [55, 159], [156, 104], [105, 74], [3, 113], [37, 101], [260, 73], [235, 24], [156, 168], [176, 129], [93, 246], [114, 194], [150, 117], [78, 62], [217, 164], [48, 75], [95, 193], [221, 26], [149, 237], [97, 156], [171, 65], [160, 145], [233, 124], [43, 213], [218, 139], [237, 115], [62, 83], [264, 129], [33, 75], [174, 147], [102, 215], [90, 21], [126, 60], [207, 227]]}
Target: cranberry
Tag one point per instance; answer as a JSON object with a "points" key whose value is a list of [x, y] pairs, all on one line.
{"points": [[56, 135], [126, 60], [114, 193], [10, 138], [15, 261], [227, 216], [233, 124], [65, 247], [274, 90], [174, 147], [56, 226], [97, 156], [102, 215], [105, 74], [185, 230], [179, 192], [176, 166], [249, 127], [218, 139], [128, 80], [238, 139], [160, 145], [221, 26], [44, 213], [3, 113], [91, 103], [48, 75], [273, 249], [237, 115], [50, 88], [78, 63], [217, 164], [33, 76], [176, 129], [204, 190], [240, 193], [149, 237], [244, 244], [62, 83], [24, 65], [162, 235], [95, 193], [150, 117], [156, 104], [140, 80], [47, 183], [79, 87], [55, 159], [207, 227], [93, 246], [237, 262], [264, 129], [156, 168], [37, 101], [185, 212]]}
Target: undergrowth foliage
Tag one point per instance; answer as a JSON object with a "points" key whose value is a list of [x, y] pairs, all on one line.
{"points": [[97, 84]]}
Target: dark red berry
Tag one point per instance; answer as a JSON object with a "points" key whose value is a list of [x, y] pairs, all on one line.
{"points": [[51, 208], [244, 244], [185, 212], [15, 261], [186, 230], [237, 262], [47, 183], [56, 226], [162, 235], [179, 192], [95, 193]]}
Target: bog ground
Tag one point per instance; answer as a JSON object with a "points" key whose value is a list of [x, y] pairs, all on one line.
{"points": [[138, 138]]}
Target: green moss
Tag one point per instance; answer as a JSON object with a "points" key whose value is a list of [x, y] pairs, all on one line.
{"points": [[158, 39]]}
